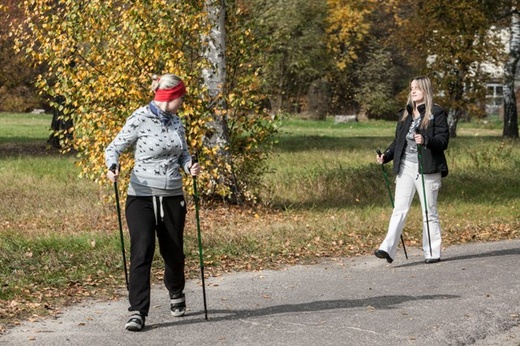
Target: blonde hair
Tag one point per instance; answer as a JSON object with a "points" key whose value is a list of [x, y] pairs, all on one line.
{"points": [[166, 81], [425, 86]]}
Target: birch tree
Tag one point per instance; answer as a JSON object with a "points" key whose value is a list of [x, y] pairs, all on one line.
{"points": [[217, 136], [214, 74]]}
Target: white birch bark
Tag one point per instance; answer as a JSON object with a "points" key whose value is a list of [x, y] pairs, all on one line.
{"points": [[215, 75], [214, 78]]}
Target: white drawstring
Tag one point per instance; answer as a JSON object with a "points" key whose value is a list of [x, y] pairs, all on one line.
{"points": [[162, 210], [160, 207]]}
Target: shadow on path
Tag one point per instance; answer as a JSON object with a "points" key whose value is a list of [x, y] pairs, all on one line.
{"points": [[382, 302]]}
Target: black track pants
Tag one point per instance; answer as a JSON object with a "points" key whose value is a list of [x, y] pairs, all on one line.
{"points": [[145, 217]]}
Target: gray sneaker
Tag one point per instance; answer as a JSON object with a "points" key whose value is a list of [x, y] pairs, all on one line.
{"points": [[135, 322], [178, 304]]}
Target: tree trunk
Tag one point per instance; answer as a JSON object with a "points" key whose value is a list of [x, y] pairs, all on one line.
{"points": [[453, 120], [510, 110], [276, 104], [215, 78], [59, 124], [456, 91]]}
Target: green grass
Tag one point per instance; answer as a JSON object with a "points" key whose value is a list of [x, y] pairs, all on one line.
{"points": [[330, 171], [323, 165], [24, 128], [323, 196]]}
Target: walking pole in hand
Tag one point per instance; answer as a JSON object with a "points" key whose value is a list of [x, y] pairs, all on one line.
{"points": [[419, 152], [113, 169], [201, 259], [387, 183]]}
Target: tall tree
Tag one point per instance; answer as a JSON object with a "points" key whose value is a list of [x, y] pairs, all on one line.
{"points": [[217, 136], [510, 109], [295, 55], [376, 76], [448, 40], [365, 75]]}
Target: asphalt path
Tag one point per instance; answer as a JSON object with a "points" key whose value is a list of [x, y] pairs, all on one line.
{"points": [[472, 297]]}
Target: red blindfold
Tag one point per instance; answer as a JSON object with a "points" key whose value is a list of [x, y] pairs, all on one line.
{"points": [[170, 94]]}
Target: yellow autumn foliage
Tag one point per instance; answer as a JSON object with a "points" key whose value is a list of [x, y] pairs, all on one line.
{"points": [[347, 26], [99, 57]]}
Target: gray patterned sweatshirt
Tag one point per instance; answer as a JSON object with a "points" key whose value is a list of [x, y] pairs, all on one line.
{"points": [[160, 150]]}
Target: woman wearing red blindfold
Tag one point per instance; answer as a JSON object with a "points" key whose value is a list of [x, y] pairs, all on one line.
{"points": [[155, 204]]}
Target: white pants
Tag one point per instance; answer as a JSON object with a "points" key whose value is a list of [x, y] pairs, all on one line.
{"points": [[407, 182]]}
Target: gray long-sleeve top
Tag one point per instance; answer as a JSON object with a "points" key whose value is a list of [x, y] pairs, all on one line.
{"points": [[160, 150]]}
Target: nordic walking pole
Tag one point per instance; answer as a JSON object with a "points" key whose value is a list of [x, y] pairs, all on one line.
{"points": [[387, 183], [419, 151], [113, 169], [201, 259]]}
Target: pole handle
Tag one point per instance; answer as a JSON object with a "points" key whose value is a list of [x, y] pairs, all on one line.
{"points": [[379, 154]]}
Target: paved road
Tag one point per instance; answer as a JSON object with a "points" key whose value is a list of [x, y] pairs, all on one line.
{"points": [[472, 297]]}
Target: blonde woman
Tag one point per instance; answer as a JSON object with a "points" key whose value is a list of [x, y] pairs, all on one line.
{"points": [[155, 205], [422, 133]]}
